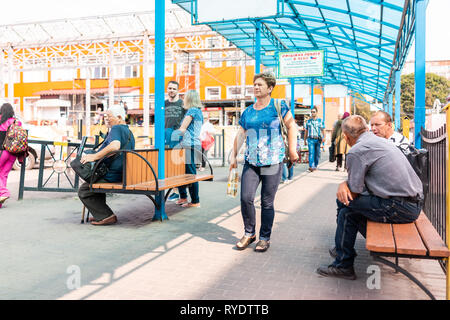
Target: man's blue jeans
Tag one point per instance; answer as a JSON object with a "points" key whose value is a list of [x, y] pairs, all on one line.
{"points": [[314, 152], [353, 218], [287, 173]]}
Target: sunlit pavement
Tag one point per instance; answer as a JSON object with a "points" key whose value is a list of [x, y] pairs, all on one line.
{"points": [[47, 254]]}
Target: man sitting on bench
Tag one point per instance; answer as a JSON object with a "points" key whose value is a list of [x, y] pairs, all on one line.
{"points": [[381, 186], [119, 137]]}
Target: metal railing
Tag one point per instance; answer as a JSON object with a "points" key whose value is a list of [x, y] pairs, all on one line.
{"points": [[217, 151], [64, 179], [435, 204]]}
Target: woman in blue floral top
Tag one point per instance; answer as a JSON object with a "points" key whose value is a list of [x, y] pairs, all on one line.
{"points": [[260, 128]]}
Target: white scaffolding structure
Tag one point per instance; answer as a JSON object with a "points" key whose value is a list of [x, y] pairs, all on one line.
{"points": [[105, 41]]}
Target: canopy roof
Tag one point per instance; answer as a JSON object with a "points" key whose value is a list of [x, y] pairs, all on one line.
{"points": [[76, 30], [365, 41]]}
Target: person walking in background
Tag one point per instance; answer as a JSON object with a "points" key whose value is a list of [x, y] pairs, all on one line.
{"points": [[190, 131], [7, 117], [314, 135], [260, 128], [341, 145], [207, 139], [174, 114]]}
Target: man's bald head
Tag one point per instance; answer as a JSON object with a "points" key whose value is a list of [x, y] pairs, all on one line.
{"points": [[354, 126]]}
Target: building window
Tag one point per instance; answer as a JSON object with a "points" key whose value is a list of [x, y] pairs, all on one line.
{"points": [[215, 60], [131, 71], [212, 93], [100, 73], [249, 93], [234, 92]]}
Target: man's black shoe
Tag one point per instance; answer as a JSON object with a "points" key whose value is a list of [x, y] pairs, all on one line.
{"points": [[332, 271]]}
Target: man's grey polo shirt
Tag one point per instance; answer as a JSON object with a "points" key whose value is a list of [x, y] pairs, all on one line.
{"points": [[376, 164]]}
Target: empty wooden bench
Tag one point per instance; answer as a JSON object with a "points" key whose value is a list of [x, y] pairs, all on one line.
{"points": [[140, 170], [417, 240]]}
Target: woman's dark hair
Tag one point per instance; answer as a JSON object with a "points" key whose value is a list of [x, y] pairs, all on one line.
{"points": [[6, 111]]}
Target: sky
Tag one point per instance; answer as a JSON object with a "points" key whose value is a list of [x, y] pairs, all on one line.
{"points": [[437, 38]]}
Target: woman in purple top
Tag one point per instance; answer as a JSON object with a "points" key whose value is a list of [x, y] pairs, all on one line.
{"points": [[260, 128], [6, 159]]}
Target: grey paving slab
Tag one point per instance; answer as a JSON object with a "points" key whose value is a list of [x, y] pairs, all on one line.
{"points": [[191, 256]]}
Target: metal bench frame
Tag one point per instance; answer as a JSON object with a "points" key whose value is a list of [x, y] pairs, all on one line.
{"points": [[151, 194]]}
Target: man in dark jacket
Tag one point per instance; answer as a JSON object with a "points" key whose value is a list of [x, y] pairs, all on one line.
{"points": [[119, 137]]}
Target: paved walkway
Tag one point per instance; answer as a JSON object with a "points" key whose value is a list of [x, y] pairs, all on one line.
{"points": [[46, 252]]}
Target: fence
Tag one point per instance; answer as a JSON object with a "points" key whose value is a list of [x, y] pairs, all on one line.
{"points": [[217, 151], [436, 202], [435, 205], [61, 154]]}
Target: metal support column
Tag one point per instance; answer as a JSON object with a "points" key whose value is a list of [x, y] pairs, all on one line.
{"points": [[397, 99], [160, 33], [111, 75], [146, 91], [323, 103], [88, 102], [11, 77], [293, 97], [390, 108], [2, 74], [419, 73], [258, 47], [312, 93]]}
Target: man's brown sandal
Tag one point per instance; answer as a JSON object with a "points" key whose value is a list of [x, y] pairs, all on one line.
{"points": [[244, 242], [262, 246]]}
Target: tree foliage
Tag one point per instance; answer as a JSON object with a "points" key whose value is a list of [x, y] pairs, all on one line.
{"points": [[360, 107], [436, 87]]}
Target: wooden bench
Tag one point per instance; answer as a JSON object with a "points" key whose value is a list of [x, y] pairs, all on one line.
{"points": [[417, 240], [140, 169]]}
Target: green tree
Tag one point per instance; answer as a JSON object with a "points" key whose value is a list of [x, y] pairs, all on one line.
{"points": [[436, 87], [360, 107]]}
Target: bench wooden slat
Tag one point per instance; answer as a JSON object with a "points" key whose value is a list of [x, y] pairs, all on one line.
{"points": [[108, 185], [380, 237], [431, 238], [408, 240], [169, 183]]}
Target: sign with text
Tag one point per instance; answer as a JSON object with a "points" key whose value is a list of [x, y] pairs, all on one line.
{"points": [[219, 10], [299, 64]]}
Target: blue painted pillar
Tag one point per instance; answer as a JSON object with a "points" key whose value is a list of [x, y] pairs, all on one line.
{"points": [[312, 93], [419, 73], [390, 102], [160, 34], [258, 47], [293, 97], [323, 103], [398, 107]]}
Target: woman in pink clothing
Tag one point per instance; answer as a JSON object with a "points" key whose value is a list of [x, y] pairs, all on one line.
{"points": [[6, 159]]}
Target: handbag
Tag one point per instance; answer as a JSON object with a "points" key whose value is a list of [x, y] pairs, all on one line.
{"points": [[331, 149], [284, 133], [86, 170], [208, 142]]}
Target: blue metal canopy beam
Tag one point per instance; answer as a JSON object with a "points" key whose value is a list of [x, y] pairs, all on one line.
{"points": [[366, 41]]}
